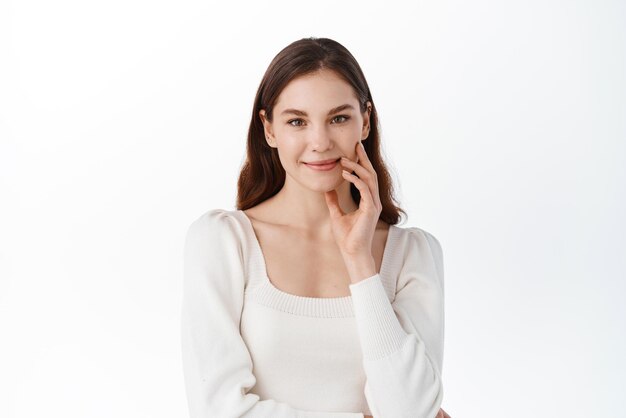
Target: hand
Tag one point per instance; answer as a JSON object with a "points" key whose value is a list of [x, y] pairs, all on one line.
{"points": [[442, 414], [354, 232]]}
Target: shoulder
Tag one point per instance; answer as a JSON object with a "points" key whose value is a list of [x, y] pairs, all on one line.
{"points": [[423, 248], [213, 225], [433, 243], [418, 236], [213, 250], [213, 218]]}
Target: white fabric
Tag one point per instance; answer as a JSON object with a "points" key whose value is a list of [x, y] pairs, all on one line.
{"points": [[252, 350]]}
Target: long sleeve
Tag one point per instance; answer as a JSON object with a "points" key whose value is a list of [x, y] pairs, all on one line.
{"points": [[402, 340], [217, 365]]}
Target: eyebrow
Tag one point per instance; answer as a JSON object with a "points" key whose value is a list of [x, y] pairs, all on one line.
{"points": [[330, 112]]}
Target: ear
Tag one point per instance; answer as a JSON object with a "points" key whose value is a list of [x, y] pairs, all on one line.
{"points": [[267, 128], [366, 121]]}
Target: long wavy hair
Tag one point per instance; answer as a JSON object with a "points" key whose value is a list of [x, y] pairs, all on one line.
{"points": [[262, 174]]}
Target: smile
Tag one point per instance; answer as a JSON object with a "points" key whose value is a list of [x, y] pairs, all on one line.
{"points": [[322, 167]]}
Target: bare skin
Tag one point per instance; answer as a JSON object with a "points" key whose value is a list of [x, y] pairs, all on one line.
{"points": [[295, 227], [440, 414], [443, 414], [316, 240], [303, 262]]}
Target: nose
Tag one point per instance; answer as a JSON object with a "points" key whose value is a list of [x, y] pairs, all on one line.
{"points": [[320, 139]]}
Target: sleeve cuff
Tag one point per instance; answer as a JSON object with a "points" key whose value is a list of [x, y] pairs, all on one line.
{"points": [[379, 330]]}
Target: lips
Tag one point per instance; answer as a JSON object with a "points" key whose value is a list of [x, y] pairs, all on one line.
{"points": [[323, 162], [324, 165]]}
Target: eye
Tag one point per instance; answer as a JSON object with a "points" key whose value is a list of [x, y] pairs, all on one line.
{"points": [[345, 118], [294, 120]]}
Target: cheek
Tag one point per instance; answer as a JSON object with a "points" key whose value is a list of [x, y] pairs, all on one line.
{"points": [[288, 151], [351, 151]]}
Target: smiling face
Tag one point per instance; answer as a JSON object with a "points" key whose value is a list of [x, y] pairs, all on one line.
{"points": [[316, 117]]}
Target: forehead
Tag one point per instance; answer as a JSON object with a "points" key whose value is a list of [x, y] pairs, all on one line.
{"points": [[320, 90]]}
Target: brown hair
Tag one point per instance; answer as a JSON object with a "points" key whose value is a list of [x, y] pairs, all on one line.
{"points": [[262, 174]]}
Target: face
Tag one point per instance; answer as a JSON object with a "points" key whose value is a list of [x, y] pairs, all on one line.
{"points": [[311, 124]]}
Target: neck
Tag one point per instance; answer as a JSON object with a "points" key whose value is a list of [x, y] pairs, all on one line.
{"points": [[304, 208]]}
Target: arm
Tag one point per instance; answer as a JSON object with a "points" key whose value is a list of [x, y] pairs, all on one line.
{"points": [[402, 341], [217, 365]]}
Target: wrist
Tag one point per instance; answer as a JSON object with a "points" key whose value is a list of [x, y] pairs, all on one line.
{"points": [[360, 267]]}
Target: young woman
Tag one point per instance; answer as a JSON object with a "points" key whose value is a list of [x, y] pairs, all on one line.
{"points": [[308, 301]]}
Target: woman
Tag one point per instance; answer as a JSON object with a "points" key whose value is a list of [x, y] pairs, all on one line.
{"points": [[308, 300]]}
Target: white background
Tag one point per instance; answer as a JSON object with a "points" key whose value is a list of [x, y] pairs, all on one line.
{"points": [[503, 124]]}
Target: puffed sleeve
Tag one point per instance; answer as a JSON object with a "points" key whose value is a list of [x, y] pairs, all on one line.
{"points": [[217, 365], [402, 340]]}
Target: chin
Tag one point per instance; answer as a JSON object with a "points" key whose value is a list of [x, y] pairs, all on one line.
{"points": [[321, 184], [325, 186]]}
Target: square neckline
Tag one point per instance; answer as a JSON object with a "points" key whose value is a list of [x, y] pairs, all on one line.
{"points": [[385, 260]]}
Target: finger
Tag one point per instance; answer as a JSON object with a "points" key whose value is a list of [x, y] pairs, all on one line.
{"points": [[369, 177], [363, 157], [367, 164], [333, 204], [366, 195], [364, 175], [361, 171]]}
